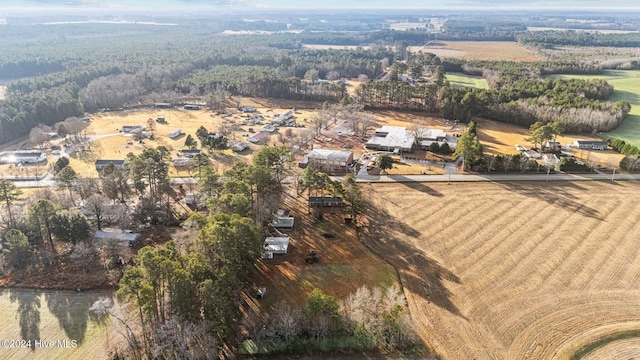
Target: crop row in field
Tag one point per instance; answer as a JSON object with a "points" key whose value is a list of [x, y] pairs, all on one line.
{"points": [[513, 271]]}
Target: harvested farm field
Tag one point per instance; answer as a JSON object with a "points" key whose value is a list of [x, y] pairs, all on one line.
{"points": [[515, 270]]}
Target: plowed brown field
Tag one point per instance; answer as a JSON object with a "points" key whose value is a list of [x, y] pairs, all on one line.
{"points": [[514, 270]]}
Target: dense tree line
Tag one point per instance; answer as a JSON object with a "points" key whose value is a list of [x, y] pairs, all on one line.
{"points": [[578, 38], [366, 320], [518, 94], [87, 74], [622, 147]]}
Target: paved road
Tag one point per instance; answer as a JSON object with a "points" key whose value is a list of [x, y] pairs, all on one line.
{"points": [[492, 177], [363, 177]]}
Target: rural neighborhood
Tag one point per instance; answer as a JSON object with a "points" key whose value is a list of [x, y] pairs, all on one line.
{"points": [[396, 183]]}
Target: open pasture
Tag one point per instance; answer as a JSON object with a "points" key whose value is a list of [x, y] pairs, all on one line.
{"points": [[626, 85], [513, 270], [459, 80], [479, 50], [52, 316]]}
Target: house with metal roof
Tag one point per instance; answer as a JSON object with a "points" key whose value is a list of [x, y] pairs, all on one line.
{"points": [[103, 163], [256, 138], [131, 129], [239, 147], [282, 220], [22, 157], [176, 133], [328, 161], [189, 153], [591, 145], [276, 245]]}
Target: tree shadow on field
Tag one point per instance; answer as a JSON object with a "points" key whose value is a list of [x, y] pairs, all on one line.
{"points": [[418, 186], [28, 313], [72, 311], [557, 194], [419, 274]]}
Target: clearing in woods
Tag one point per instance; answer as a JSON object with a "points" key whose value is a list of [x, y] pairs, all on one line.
{"points": [[459, 80], [514, 270], [479, 50]]}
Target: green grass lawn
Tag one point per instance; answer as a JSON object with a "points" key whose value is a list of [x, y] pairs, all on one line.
{"points": [[459, 80], [50, 316], [626, 86]]}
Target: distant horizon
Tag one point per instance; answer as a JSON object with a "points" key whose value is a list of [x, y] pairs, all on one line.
{"points": [[118, 6]]}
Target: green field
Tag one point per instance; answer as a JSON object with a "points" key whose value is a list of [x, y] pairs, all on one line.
{"points": [[626, 86], [50, 316], [458, 80]]}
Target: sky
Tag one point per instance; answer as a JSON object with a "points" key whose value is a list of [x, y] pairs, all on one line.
{"points": [[321, 4]]}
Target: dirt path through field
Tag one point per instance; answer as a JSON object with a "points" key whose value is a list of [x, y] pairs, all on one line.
{"points": [[513, 270]]}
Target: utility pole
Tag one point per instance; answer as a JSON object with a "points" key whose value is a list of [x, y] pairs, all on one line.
{"points": [[613, 175]]}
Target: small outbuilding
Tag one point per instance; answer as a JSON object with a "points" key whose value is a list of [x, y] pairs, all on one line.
{"points": [[110, 236], [239, 147], [182, 161], [247, 109], [103, 163], [176, 133], [256, 138], [131, 129], [325, 201], [277, 245], [189, 153], [268, 128], [282, 220], [191, 107]]}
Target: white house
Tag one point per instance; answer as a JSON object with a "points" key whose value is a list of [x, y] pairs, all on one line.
{"points": [[276, 245], [591, 145]]}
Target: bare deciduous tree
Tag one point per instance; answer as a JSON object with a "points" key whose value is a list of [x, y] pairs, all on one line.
{"points": [[38, 136]]}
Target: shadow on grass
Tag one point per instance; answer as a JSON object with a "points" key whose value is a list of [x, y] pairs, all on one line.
{"points": [[418, 186], [418, 273], [28, 313], [556, 193]]}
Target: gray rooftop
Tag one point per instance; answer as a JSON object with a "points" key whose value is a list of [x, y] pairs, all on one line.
{"points": [[392, 137], [328, 155]]}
